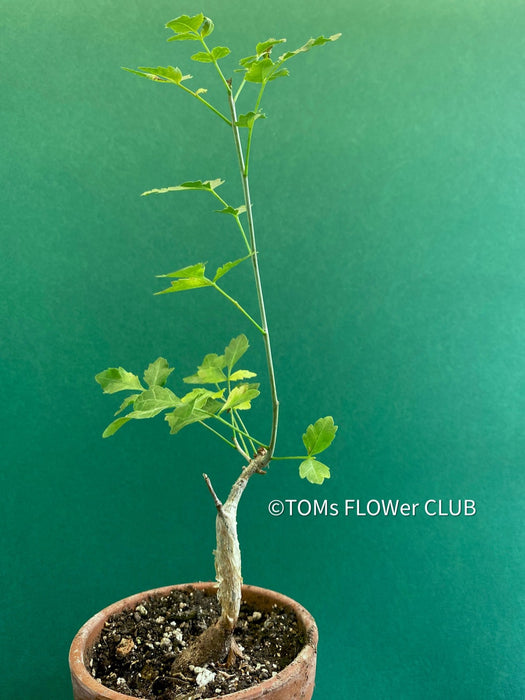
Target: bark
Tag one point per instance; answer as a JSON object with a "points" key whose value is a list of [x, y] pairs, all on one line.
{"points": [[217, 643]]}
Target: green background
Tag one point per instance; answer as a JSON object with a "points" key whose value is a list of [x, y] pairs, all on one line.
{"points": [[388, 196]]}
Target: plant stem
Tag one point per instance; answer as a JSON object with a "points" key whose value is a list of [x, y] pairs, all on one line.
{"points": [[250, 133], [238, 306], [205, 102], [257, 276], [239, 224]]}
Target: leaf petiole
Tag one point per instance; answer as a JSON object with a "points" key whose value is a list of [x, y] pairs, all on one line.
{"points": [[238, 430], [205, 102], [227, 85], [201, 422], [239, 90], [238, 306]]}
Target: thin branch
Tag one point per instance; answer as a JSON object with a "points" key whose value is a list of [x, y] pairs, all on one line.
{"points": [[257, 277], [218, 503]]}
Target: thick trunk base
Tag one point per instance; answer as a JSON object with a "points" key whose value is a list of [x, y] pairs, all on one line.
{"points": [[213, 645]]}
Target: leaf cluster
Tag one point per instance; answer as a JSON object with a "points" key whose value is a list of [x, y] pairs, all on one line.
{"points": [[196, 406], [316, 439]]}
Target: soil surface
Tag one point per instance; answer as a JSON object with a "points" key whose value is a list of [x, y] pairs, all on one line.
{"points": [[138, 646]]}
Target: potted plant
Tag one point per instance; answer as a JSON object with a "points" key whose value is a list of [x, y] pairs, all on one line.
{"points": [[220, 393]]}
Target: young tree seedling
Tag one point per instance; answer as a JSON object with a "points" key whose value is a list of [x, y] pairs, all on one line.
{"points": [[222, 390]]}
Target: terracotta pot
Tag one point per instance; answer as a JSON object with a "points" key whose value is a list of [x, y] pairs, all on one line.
{"points": [[294, 681]]}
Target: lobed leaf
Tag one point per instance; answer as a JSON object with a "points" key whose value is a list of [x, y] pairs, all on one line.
{"points": [[184, 415], [207, 186], [247, 61], [210, 372], [235, 350], [196, 270], [319, 435], [186, 36], [186, 24], [191, 277], [266, 46], [319, 41], [233, 211], [157, 372], [316, 472], [185, 284], [259, 71], [116, 425], [127, 402], [247, 120], [214, 55], [242, 374], [202, 396], [240, 397], [153, 401], [221, 271], [283, 73], [117, 379], [168, 74], [200, 404]]}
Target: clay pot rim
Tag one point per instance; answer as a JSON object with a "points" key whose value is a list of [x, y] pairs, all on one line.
{"points": [[81, 645]]}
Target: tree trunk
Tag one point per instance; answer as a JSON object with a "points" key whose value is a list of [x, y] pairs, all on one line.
{"points": [[217, 642]]}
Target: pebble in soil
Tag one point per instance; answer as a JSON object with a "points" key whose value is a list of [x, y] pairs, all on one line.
{"points": [[137, 647]]}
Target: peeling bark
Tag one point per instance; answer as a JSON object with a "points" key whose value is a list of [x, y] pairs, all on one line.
{"points": [[217, 642]]}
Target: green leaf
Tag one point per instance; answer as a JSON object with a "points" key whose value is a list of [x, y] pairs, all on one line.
{"points": [[240, 397], [117, 379], [319, 41], [153, 401], [202, 57], [184, 415], [220, 52], [320, 435], [191, 277], [207, 27], [221, 271], [185, 24], [196, 270], [215, 55], [127, 402], [283, 73], [157, 372], [116, 425], [235, 350], [316, 472], [210, 372], [207, 186], [187, 36], [233, 211], [241, 374], [161, 74], [267, 45], [247, 120], [185, 284], [259, 71], [247, 61], [199, 404], [203, 397]]}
